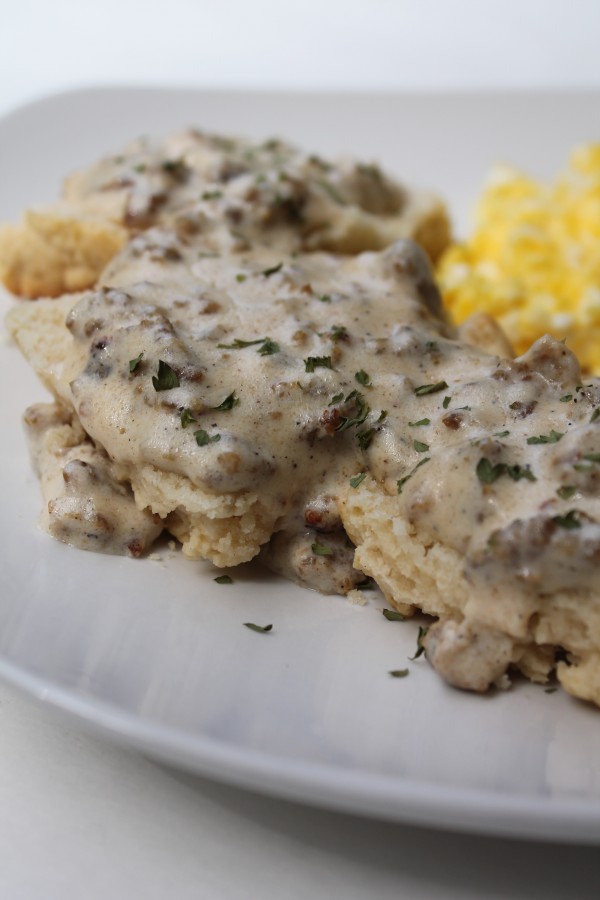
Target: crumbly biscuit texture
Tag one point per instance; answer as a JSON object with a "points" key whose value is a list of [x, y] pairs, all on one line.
{"points": [[56, 251]]}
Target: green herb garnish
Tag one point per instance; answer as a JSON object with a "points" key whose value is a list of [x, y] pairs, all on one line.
{"points": [[134, 363], [420, 447], [228, 403], [570, 520], [321, 549], [402, 481], [174, 166], [333, 193], [268, 348], [398, 673], [186, 417], [595, 415], [420, 638], [366, 585], [317, 362], [500, 434], [261, 629], [166, 379], [566, 398], [272, 270], [392, 615], [363, 378], [551, 438], [566, 491], [488, 473], [420, 422], [365, 437], [336, 399], [446, 402], [203, 437], [240, 277], [238, 344], [325, 298], [358, 479], [361, 411], [424, 389], [223, 579], [212, 195]]}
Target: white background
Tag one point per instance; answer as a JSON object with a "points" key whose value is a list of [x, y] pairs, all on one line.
{"points": [[81, 818]]}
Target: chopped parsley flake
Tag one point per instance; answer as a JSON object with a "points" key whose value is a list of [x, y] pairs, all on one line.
{"points": [[325, 298], [338, 332], [272, 270], [366, 585], [392, 615], [203, 437], [358, 479], [363, 378], [261, 629], [566, 398], [488, 473], [333, 193], [238, 344], [212, 195], [402, 481], [223, 579], [361, 411], [228, 403], [321, 549], [500, 434], [365, 437], [337, 399], [267, 347], [317, 362], [595, 415], [134, 363], [424, 389], [446, 402], [166, 379], [420, 646], [186, 417], [420, 422], [174, 166], [240, 277], [566, 491], [551, 438], [431, 345], [592, 457], [420, 447], [399, 673], [570, 520]]}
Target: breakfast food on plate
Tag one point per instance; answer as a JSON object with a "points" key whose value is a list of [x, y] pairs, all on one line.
{"points": [[238, 383], [235, 192], [533, 261]]}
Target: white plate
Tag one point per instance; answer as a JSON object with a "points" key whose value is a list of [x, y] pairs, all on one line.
{"points": [[155, 653]]}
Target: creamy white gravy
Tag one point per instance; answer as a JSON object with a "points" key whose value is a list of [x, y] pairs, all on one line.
{"points": [[293, 373]]}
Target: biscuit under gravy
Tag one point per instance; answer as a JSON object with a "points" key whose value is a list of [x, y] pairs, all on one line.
{"points": [[262, 395]]}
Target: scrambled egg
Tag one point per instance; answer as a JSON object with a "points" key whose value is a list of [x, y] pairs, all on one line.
{"points": [[533, 261]]}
